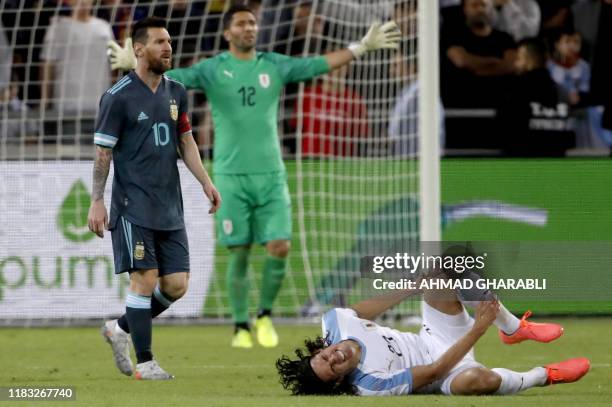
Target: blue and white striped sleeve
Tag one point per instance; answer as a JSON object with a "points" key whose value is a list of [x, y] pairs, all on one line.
{"points": [[383, 384], [109, 124], [335, 323]]}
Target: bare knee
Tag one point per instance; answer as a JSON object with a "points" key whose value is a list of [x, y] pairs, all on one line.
{"points": [[476, 381], [278, 248], [143, 282], [175, 285]]}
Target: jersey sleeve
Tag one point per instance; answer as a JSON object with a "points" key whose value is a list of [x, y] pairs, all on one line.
{"points": [[109, 123], [383, 384], [184, 126], [299, 69], [335, 324], [197, 76]]}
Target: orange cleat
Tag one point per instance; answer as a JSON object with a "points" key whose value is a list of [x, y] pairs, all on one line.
{"points": [[546, 332], [568, 371]]}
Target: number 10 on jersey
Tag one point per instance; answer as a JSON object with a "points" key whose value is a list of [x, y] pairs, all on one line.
{"points": [[161, 133]]}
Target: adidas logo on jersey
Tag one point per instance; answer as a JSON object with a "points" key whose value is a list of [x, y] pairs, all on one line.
{"points": [[142, 116]]}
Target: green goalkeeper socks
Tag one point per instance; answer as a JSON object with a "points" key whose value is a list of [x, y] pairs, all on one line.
{"points": [[273, 274], [238, 284]]}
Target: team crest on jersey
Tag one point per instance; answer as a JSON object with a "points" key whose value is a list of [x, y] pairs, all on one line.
{"points": [[173, 110], [264, 80], [139, 251], [228, 227]]}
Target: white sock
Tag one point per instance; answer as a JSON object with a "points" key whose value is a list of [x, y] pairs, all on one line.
{"points": [[513, 382], [505, 321]]}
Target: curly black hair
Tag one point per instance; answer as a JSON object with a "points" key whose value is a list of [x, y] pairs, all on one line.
{"points": [[298, 377]]}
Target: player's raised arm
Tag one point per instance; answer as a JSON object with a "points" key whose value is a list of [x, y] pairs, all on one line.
{"points": [[385, 36], [376, 306]]}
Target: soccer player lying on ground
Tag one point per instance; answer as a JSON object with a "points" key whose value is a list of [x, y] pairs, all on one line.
{"points": [[360, 357], [143, 124]]}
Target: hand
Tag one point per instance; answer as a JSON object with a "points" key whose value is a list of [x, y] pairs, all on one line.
{"points": [[121, 58], [214, 196], [385, 36], [97, 219], [486, 312]]}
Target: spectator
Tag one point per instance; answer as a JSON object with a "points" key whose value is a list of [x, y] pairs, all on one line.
{"points": [[334, 118], [519, 18], [184, 23], [403, 121], [478, 59], [303, 11], [556, 17], [26, 22], [573, 74], [533, 120], [15, 127], [301, 15], [405, 14], [6, 58], [76, 70], [602, 64], [586, 21]]}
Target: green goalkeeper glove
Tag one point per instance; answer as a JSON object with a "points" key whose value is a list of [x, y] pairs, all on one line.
{"points": [[121, 58], [385, 36]]}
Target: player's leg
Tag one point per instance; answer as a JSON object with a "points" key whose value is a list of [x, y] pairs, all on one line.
{"points": [[133, 250], [480, 380], [173, 258], [138, 315], [511, 329], [272, 227], [172, 254], [233, 225]]}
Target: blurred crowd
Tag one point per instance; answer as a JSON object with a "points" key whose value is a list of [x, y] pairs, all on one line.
{"points": [[521, 77], [527, 76]]}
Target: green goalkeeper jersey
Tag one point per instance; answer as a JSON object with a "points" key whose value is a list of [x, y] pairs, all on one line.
{"points": [[245, 96]]}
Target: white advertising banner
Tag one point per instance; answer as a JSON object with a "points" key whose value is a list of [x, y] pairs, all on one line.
{"points": [[51, 266]]}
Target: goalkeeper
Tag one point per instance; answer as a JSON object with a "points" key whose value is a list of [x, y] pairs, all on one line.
{"points": [[244, 88]]}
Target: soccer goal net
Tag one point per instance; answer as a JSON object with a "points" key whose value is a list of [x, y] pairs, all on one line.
{"points": [[349, 138]]}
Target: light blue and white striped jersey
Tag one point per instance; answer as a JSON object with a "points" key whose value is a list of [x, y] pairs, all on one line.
{"points": [[386, 354]]}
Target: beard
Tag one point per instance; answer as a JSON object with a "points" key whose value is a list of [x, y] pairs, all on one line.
{"points": [[158, 67]]}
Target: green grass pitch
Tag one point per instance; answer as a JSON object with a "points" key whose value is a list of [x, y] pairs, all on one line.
{"points": [[210, 373]]}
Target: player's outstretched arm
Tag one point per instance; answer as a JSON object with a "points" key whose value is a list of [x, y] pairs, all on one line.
{"points": [[121, 57], [374, 307], [191, 158], [385, 36], [97, 219], [424, 375]]}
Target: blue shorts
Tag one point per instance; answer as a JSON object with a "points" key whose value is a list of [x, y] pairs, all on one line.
{"points": [[139, 248]]}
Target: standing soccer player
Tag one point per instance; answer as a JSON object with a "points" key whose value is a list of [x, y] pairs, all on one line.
{"points": [[244, 88], [142, 124]]}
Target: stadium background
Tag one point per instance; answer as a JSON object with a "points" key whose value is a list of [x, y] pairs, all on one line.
{"points": [[331, 195], [355, 169]]}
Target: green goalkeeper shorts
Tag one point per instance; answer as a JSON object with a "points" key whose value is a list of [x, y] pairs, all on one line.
{"points": [[256, 208]]}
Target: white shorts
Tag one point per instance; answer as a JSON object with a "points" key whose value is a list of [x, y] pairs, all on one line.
{"points": [[441, 331]]}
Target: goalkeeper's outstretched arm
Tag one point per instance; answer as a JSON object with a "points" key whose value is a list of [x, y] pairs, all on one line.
{"points": [[385, 36]]}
